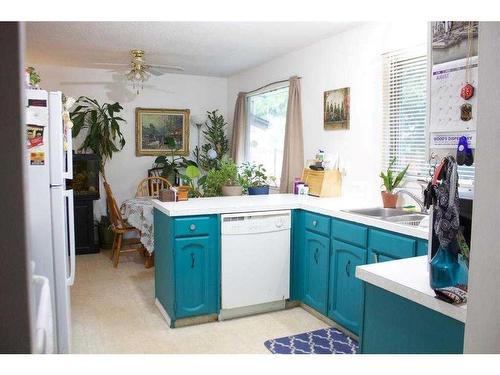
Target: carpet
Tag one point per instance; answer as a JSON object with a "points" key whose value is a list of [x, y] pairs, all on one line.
{"points": [[322, 341]]}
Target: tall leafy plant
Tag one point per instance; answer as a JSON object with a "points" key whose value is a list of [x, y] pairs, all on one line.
{"points": [[217, 144], [102, 123]]}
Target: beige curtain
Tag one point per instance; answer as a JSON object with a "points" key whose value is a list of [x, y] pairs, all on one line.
{"points": [[293, 154], [239, 129]]}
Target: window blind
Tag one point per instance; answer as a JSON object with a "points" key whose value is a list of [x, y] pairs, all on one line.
{"points": [[404, 111], [405, 114]]}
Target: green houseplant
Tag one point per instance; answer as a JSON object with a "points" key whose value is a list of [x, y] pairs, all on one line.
{"points": [[223, 180], [391, 182], [210, 155], [254, 179], [191, 177], [170, 163], [103, 138]]}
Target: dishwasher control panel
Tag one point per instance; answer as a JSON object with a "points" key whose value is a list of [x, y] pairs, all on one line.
{"points": [[258, 222]]}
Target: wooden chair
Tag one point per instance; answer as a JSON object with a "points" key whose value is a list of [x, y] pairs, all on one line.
{"points": [[120, 227], [155, 172], [151, 186]]}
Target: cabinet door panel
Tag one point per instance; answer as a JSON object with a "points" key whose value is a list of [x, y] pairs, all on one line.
{"points": [[316, 264], [391, 245], [346, 291], [194, 277]]}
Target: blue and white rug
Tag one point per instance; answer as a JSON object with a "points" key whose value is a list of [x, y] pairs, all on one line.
{"points": [[322, 341]]}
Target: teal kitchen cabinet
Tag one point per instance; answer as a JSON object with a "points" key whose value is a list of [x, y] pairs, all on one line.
{"points": [[422, 246], [297, 255], [395, 325], [187, 264], [195, 284], [345, 290], [316, 255], [384, 246]]}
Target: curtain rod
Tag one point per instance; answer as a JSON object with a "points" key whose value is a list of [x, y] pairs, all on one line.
{"points": [[270, 84]]}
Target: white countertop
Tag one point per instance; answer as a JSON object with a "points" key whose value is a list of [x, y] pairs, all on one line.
{"points": [[409, 278], [251, 203]]}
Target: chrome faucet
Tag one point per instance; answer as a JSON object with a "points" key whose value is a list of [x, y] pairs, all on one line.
{"points": [[419, 201]]}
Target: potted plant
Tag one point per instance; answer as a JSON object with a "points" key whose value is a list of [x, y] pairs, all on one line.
{"points": [[192, 179], [223, 180], [103, 138], [210, 155], [230, 178], [390, 183], [254, 179]]}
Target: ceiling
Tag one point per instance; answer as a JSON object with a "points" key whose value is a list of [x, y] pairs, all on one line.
{"points": [[204, 48]]}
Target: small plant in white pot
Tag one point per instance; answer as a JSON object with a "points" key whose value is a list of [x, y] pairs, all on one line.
{"points": [[390, 183], [223, 180]]}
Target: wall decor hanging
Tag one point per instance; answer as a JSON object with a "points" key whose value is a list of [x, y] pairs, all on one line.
{"points": [[336, 109], [154, 125]]}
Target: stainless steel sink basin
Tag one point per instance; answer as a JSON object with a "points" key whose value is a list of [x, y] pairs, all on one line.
{"points": [[393, 215], [378, 212], [408, 219]]}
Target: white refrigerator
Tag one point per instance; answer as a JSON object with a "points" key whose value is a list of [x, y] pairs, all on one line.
{"points": [[50, 224]]}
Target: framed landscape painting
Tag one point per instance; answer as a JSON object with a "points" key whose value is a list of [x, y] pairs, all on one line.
{"points": [[153, 126], [336, 109]]}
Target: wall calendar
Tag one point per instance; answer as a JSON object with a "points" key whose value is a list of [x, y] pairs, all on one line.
{"points": [[450, 112]]}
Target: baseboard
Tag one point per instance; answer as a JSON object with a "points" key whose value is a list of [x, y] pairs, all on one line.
{"points": [[328, 321], [163, 312], [191, 321], [239, 312]]}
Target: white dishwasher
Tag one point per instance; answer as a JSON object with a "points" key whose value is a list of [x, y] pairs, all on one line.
{"points": [[255, 262]]}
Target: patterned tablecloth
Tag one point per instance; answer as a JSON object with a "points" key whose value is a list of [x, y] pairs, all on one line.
{"points": [[139, 213]]}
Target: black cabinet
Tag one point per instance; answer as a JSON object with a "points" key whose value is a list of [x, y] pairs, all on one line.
{"points": [[85, 185], [85, 241]]}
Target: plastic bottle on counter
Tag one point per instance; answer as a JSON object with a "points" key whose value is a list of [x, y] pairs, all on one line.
{"points": [[296, 182]]}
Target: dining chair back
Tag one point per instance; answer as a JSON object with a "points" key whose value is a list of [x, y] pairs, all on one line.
{"points": [[155, 172], [151, 186], [120, 227]]}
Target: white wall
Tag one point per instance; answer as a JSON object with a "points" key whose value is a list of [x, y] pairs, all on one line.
{"points": [[352, 59], [482, 329], [125, 170]]}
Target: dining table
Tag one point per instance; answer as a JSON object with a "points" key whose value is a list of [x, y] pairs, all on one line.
{"points": [[138, 212]]}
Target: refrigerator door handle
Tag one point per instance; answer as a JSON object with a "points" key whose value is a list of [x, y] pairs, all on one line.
{"points": [[71, 225], [69, 154]]}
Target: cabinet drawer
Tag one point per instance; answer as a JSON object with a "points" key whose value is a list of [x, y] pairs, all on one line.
{"points": [[317, 223], [422, 247], [192, 226], [391, 245], [349, 232]]}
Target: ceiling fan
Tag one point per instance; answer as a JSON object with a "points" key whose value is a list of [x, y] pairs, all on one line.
{"points": [[140, 71]]}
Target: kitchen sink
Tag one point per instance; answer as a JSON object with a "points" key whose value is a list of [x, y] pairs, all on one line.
{"points": [[408, 219], [393, 215], [378, 212]]}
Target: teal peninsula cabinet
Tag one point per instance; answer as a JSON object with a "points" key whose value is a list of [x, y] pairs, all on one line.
{"points": [[187, 258], [401, 314]]}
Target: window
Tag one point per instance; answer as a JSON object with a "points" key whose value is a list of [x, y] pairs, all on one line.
{"points": [[265, 138], [405, 112]]}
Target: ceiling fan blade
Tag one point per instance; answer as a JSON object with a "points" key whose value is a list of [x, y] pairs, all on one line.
{"points": [[155, 71], [110, 64], [86, 83], [166, 67]]}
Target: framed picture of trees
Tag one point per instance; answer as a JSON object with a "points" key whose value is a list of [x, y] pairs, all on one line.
{"points": [[154, 126], [336, 109]]}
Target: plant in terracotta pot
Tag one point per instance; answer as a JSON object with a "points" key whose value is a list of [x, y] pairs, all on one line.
{"points": [[255, 180], [390, 183]]}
